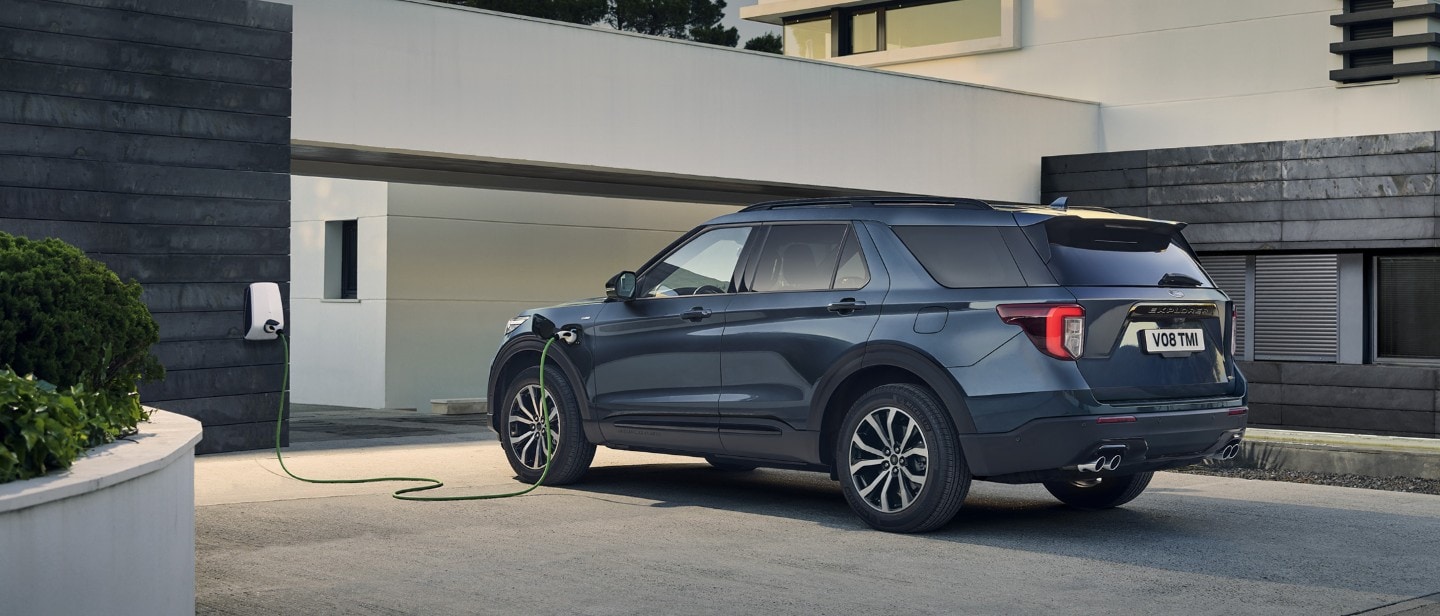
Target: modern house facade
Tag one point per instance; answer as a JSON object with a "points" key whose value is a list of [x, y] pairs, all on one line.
{"points": [[447, 167]]}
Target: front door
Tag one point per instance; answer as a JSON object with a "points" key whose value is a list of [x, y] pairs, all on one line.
{"points": [[657, 358]]}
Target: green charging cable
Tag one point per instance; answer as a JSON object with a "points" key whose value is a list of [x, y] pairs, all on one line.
{"points": [[403, 494]]}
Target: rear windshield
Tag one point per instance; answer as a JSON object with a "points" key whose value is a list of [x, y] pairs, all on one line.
{"points": [[1088, 252]]}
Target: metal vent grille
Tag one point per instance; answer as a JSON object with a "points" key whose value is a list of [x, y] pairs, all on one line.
{"points": [[1228, 272], [1296, 307]]}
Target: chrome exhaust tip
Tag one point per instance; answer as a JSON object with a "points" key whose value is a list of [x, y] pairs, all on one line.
{"points": [[1113, 463], [1094, 466]]}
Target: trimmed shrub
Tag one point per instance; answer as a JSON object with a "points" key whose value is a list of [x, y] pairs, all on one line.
{"points": [[83, 338], [69, 320]]}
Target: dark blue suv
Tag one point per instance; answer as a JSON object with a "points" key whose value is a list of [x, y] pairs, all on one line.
{"points": [[904, 345]]}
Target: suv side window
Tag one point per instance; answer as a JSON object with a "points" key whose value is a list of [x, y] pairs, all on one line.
{"points": [[852, 273], [799, 257], [963, 257], [705, 265]]}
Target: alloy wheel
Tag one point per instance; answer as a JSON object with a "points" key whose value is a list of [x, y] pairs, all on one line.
{"points": [[888, 459], [526, 439]]}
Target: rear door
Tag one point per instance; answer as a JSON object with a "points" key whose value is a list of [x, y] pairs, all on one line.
{"points": [[1156, 325], [811, 297]]}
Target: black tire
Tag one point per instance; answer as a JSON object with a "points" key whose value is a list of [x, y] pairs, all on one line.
{"points": [[729, 465], [572, 453], [863, 470], [1101, 492]]}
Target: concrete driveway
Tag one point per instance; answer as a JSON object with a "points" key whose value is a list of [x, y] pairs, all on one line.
{"points": [[668, 535]]}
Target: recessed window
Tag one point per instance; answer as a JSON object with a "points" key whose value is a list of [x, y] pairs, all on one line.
{"points": [[904, 31], [341, 258], [799, 257], [1407, 311]]}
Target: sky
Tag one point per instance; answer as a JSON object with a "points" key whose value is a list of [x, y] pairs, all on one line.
{"points": [[748, 29]]}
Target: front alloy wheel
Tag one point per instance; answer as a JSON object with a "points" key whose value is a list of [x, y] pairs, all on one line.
{"points": [[526, 438], [524, 430]]}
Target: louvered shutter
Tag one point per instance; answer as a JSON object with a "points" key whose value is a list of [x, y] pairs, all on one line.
{"points": [[1408, 307], [1228, 272], [1296, 307]]}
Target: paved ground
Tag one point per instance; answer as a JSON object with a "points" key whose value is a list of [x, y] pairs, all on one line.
{"points": [[667, 535]]}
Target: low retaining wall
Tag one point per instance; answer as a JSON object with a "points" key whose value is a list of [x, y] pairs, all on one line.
{"points": [[1357, 399], [113, 535]]}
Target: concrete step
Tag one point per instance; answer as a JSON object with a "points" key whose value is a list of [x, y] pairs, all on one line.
{"points": [[1348, 454]]}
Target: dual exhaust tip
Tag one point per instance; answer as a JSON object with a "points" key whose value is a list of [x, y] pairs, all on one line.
{"points": [[1230, 451], [1101, 463]]}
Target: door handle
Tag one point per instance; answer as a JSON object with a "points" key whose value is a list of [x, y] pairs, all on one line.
{"points": [[696, 314], [846, 306]]}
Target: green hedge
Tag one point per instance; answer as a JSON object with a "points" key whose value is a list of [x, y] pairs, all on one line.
{"points": [[66, 320]]}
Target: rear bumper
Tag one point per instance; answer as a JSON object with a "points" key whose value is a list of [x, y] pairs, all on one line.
{"points": [[1046, 449]]}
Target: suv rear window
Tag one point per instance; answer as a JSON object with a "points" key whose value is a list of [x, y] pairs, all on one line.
{"points": [[1121, 253], [963, 257]]}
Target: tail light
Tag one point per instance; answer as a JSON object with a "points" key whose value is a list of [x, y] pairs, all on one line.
{"points": [[1058, 330]]}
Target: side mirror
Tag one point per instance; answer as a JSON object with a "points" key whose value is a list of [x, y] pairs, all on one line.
{"points": [[621, 286]]}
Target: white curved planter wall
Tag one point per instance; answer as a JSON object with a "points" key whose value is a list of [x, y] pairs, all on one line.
{"points": [[113, 535]]}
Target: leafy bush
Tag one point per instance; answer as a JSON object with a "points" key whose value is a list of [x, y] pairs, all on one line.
{"points": [[43, 428], [68, 320]]}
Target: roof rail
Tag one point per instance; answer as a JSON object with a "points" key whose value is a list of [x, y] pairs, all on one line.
{"points": [[837, 202]]}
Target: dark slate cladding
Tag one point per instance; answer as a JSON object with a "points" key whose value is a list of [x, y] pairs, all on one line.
{"points": [[154, 135], [1371, 192], [1366, 193]]}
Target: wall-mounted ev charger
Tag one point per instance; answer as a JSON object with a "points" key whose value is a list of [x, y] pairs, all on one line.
{"points": [[264, 312]]}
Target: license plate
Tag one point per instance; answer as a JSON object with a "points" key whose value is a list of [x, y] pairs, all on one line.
{"points": [[1174, 340]]}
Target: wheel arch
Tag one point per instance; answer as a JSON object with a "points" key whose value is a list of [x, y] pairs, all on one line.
{"points": [[880, 365], [522, 353]]}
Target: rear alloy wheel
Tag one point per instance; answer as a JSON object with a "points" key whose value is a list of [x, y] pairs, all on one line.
{"points": [[524, 439], [899, 461], [1100, 492]]}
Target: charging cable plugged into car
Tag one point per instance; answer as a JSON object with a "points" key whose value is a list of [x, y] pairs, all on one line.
{"points": [[264, 318]]}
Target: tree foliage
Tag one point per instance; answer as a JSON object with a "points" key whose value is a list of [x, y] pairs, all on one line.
{"points": [[768, 42], [691, 20]]}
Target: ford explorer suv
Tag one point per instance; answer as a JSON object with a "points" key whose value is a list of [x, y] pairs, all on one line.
{"points": [[904, 345]]}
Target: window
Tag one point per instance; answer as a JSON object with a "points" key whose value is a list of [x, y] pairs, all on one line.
{"points": [[1407, 311], [852, 273], [704, 265], [341, 259], [963, 257], [904, 31], [809, 39], [799, 257], [1105, 254]]}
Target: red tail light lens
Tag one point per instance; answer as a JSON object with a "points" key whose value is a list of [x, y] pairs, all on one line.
{"points": [[1058, 330]]}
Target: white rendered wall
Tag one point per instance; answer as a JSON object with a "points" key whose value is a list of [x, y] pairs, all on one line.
{"points": [[1172, 73], [337, 347], [463, 260], [402, 75]]}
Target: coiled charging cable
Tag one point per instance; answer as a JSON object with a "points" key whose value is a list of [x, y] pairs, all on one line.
{"points": [[404, 493]]}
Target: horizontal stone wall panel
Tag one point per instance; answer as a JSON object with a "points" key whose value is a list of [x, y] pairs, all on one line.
{"points": [[1359, 397], [1322, 246], [231, 410], [1376, 376], [1376, 230], [1248, 233], [1207, 155], [86, 52], [176, 326], [1407, 423], [1400, 143], [1265, 415], [112, 238], [1360, 166], [99, 146], [1261, 393], [1353, 188], [1102, 161], [1216, 193], [1226, 173], [84, 206], [1373, 207], [81, 113], [1260, 371], [153, 269], [211, 382], [241, 437], [1093, 180], [203, 296], [248, 13], [24, 171], [136, 26], [227, 353], [1265, 211], [37, 78], [1117, 198]]}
